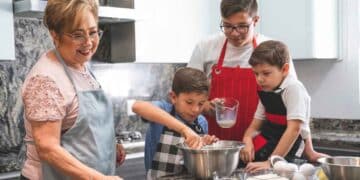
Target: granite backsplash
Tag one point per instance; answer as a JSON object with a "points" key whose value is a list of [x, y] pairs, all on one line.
{"points": [[122, 82], [133, 81]]}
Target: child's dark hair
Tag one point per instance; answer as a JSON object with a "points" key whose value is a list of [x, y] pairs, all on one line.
{"points": [[188, 80], [271, 52], [230, 7]]}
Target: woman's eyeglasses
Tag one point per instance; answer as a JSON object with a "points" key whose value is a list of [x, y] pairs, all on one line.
{"points": [[81, 38]]}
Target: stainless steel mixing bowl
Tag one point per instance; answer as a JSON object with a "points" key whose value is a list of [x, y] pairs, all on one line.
{"points": [[221, 158], [341, 167]]}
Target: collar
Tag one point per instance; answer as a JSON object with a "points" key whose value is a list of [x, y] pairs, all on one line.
{"points": [[285, 83]]}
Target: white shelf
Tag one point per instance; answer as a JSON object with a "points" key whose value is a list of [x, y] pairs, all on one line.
{"points": [[36, 8], [123, 14], [7, 47]]}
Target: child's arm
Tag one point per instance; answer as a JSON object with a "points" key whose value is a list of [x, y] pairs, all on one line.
{"points": [[286, 142], [155, 114], [247, 154], [289, 137], [309, 152]]}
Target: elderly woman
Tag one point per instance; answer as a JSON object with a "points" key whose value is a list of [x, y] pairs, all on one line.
{"points": [[68, 119]]}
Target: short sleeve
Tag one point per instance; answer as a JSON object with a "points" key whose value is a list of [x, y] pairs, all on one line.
{"points": [[196, 60], [43, 100], [260, 112], [297, 103]]}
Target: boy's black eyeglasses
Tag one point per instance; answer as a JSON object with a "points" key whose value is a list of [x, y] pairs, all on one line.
{"points": [[240, 28]]}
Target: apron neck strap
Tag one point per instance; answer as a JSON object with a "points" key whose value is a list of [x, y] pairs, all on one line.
{"points": [[254, 42], [222, 55], [58, 56], [223, 51], [195, 126]]}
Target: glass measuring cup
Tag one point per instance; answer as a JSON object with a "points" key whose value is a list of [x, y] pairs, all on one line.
{"points": [[226, 111]]}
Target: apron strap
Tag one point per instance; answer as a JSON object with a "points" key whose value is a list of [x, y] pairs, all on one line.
{"points": [[58, 56], [223, 51], [254, 42], [195, 126], [222, 55]]}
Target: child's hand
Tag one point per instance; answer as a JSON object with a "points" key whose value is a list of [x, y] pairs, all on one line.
{"points": [[209, 108], [192, 139], [247, 154], [209, 139], [256, 166]]}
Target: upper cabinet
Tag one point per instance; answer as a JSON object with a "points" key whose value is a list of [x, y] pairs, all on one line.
{"points": [[7, 45], [168, 30], [309, 27]]}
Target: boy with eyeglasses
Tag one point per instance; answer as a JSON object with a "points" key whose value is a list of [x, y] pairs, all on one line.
{"points": [[224, 58]]}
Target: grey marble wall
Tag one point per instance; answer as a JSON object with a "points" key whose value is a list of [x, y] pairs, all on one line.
{"points": [[133, 81], [125, 82], [30, 41]]}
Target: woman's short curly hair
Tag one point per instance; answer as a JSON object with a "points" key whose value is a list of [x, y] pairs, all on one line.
{"points": [[60, 15]]}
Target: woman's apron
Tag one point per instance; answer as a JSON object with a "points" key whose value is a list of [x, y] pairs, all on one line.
{"points": [[273, 128], [91, 139], [238, 83]]}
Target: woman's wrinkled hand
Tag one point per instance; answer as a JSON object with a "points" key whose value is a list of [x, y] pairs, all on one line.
{"points": [[256, 166], [247, 154], [120, 154], [99, 176], [209, 139], [112, 178]]}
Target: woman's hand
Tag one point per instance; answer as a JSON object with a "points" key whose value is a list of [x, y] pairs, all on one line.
{"points": [[256, 166], [192, 139], [99, 176], [209, 139], [120, 154], [112, 178], [247, 154]]}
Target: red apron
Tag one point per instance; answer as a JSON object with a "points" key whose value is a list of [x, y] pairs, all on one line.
{"points": [[238, 83]]}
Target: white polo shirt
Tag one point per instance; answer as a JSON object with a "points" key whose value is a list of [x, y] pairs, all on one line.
{"points": [[297, 102], [207, 52]]}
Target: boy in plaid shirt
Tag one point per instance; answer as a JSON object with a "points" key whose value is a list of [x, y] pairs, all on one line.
{"points": [[187, 98]]}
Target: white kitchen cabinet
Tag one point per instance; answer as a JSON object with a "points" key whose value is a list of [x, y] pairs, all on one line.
{"points": [[309, 27], [7, 45], [167, 31]]}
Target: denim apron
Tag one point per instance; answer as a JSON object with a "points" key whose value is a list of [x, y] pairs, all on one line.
{"points": [[91, 139]]}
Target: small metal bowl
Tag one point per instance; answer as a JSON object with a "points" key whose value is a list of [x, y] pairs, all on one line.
{"points": [[341, 167]]}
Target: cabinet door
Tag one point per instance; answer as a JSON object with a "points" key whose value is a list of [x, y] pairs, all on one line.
{"points": [[308, 27], [168, 30], [7, 45]]}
